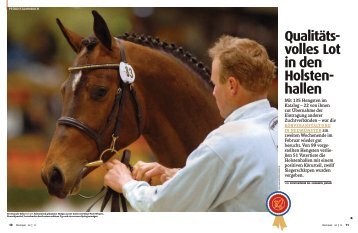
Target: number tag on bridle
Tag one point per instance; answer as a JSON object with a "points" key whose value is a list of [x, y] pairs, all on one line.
{"points": [[126, 72]]}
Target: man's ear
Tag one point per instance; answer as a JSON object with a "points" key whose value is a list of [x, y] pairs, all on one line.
{"points": [[234, 85]]}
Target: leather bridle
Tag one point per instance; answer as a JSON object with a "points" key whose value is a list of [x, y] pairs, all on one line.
{"points": [[116, 112], [125, 85]]}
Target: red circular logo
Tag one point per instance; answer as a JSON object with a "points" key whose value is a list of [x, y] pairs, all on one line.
{"points": [[278, 203]]}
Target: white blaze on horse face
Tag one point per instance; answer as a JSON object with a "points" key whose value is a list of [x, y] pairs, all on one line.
{"points": [[76, 80]]}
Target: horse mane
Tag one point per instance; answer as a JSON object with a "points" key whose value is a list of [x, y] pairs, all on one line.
{"points": [[178, 52]]}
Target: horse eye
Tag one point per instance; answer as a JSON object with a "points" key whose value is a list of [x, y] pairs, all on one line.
{"points": [[98, 92]]}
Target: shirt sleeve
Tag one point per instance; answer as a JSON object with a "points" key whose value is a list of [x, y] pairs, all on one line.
{"points": [[193, 188]]}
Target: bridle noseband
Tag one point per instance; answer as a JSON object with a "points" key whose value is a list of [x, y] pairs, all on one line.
{"points": [[126, 76]]}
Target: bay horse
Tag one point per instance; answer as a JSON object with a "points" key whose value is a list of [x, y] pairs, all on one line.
{"points": [[173, 95]]}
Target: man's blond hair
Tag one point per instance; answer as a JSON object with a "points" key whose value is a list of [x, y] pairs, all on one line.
{"points": [[246, 60]]}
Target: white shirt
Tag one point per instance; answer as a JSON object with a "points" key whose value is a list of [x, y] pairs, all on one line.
{"points": [[234, 169]]}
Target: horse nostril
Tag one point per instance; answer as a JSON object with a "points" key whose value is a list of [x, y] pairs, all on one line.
{"points": [[56, 177], [43, 177]]}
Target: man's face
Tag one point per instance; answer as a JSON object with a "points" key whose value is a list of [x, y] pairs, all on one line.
{"points": [[221, 90]]}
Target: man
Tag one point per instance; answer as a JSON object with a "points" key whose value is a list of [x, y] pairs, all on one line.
{"points": [[235, 167]]}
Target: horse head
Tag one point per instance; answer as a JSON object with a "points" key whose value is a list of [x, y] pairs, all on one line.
{"points": [[88, 97]]}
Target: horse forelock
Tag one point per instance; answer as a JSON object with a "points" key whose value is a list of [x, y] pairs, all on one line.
{"points": [[90, 42]]}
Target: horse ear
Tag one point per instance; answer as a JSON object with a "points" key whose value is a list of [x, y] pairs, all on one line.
{"points": [[101, 30], [72, 38]]}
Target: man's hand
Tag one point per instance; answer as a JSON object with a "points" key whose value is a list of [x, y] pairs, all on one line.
{"points": [[153, 173], [117, 176]]}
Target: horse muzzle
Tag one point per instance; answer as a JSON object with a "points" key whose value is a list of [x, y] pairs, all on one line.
{"points": [[56, 184]]}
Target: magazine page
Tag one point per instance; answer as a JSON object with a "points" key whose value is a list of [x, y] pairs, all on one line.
{"points": [[190, 116]]}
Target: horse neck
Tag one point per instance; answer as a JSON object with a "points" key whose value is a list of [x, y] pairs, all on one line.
{"points": [[178, 107]]}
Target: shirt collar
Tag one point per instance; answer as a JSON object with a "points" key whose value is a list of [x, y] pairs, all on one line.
{"points": [[249, 109]]}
